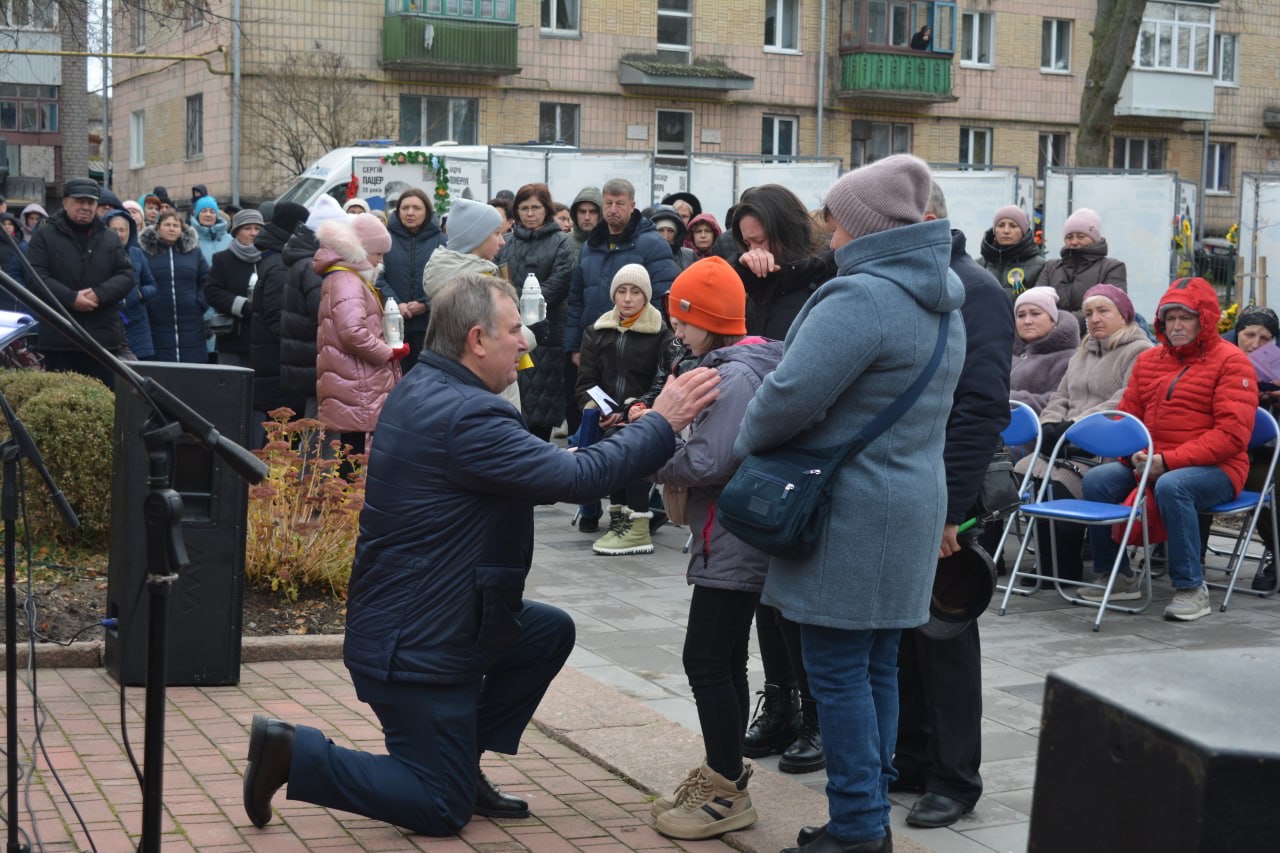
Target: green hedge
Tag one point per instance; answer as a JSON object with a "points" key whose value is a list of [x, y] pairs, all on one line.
{"points": [[70, 417]]}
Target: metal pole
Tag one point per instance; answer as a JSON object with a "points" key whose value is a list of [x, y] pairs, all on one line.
{"points": [[822, 72], [235, 102], [1204, 184], [106, 97]]}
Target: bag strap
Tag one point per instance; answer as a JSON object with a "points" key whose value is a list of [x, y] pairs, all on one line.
{"points": [[899, 407]]}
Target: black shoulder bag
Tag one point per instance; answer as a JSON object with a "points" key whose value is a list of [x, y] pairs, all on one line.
{"points": [[777, 501]]}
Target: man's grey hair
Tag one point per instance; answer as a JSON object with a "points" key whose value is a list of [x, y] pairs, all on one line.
{"points": [[468, 301], [937, 205], [619, 186]]}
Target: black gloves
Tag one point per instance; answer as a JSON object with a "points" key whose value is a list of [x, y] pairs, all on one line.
{"points": [[1050, 434]]}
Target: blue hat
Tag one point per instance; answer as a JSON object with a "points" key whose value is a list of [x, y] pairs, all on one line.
{"points": [[205, 201]]}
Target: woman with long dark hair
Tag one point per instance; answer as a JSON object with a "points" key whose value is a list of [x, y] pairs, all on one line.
{"points": [[180, 270]]}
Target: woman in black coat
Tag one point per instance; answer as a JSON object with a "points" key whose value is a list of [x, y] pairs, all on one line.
{"points": [[414, 236], [233, 275], [538, 246], [177, 311]]}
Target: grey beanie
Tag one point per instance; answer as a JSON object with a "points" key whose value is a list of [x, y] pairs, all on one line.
{"points": [[246, 217], [470, 223], [886, 194]]}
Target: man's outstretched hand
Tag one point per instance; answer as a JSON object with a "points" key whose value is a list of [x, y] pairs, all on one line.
{"points": [[686, 395]]}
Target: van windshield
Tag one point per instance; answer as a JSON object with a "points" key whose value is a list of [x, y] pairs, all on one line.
{"points": [[302, 192]]}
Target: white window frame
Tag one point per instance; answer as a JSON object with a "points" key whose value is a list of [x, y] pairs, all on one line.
{"points": [[782, 126], [1226, 61], [25, 14], [981, 26], [193, 127], [861, 153], [685, 50], [1055, 34], [1138, 151], [451, 134], [782, 10], [975, 138], [1178, 27], [548, 20], [1221, 157], [139, 28], [563, 113], [1051, 152], [658, 152], [137, 139]]}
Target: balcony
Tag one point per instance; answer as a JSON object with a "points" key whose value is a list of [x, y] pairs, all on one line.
{"points": [[706, 75], [895, 77], [468, 37], [1152, 93]]}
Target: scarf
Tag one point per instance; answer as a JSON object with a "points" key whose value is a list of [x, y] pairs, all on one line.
{"points": [[248, 254]]}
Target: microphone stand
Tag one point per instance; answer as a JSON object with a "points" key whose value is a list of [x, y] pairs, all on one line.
{"points": [[166, 551]]}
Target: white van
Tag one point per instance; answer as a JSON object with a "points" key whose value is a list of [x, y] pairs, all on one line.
{"points": [[381, 171]]}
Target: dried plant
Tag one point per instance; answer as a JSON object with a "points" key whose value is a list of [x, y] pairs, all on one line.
{"points": [[305, 515]]}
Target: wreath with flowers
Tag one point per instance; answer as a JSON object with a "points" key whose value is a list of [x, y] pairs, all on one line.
{"points": [[440, 197]]}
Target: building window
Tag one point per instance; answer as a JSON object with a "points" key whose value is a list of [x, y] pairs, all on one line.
{"points": [[975, 146], [194, 13], [430, 119], [894, 23], [778, 136], [195, 127], [1053, 153], [675, 31], [139, 29], [1055, 45], [30, 14], [28, 109], [1175, 37], [558, 123], [675, 137], [875, 140], [137, 139], [1226, 59], [484, 10], [977, 32], [1131, 153], [1220, 156], [781, 19], [560, 16]]}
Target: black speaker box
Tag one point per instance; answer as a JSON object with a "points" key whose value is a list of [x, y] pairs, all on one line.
{"points": [[205, 603], [1168, 751]]}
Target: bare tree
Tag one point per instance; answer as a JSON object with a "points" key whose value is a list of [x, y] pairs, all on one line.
{"points": [[306, 104], [1115, 34]]}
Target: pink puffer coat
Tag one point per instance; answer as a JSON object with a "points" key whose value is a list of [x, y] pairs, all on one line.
{"points": [[354, 370]]}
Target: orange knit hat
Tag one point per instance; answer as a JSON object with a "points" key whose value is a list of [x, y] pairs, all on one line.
{"points": [[709, 295]]}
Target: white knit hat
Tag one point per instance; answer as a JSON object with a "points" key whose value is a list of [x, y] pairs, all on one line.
{"points": [[325, 208]]}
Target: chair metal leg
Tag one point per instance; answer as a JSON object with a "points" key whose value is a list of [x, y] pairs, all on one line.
{"points": [[688, 543]]}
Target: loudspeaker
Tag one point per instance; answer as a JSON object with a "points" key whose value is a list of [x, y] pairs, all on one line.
{"points": [[206, 602], [1169, 751]]}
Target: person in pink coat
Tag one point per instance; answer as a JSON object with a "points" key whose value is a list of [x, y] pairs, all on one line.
{"points": [[355, 367]]}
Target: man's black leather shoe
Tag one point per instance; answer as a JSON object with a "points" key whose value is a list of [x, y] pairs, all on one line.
{"points": [[933, 811], [809, 834], [270, 753], [491, 802], [824, 843]]}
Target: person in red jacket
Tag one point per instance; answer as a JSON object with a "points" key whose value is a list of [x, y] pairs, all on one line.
{"points": [[1197, 395]]}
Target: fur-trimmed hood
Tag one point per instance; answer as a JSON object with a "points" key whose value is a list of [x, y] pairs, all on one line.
{"points": [[446, 264], [153, 245], [648, 323], [342, 245]]}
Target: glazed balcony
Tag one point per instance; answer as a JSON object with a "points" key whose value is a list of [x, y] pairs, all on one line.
{"points": [[465, 36]]}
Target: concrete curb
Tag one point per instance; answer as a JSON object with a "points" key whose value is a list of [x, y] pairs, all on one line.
{"points": [[92, 653]]}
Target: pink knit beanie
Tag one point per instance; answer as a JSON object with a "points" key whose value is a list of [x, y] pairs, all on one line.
{"points": [[1117, 296], [1083, 221], [1044, 298], [372, 234], [1015, 213], [886, 194]]}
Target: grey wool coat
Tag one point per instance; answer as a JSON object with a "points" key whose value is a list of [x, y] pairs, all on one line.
{"points": [[858, 343], [1038, 366]]}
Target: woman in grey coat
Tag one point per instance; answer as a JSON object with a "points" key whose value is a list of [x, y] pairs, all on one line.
{"points": [[1046, 340], [861, 339]]}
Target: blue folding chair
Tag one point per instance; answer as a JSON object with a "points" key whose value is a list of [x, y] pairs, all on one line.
{"points": [[1023, 429], [1265, 431], [1108, 434]]}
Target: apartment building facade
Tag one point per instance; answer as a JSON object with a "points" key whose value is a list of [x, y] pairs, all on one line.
{"points": [[998, 82]]}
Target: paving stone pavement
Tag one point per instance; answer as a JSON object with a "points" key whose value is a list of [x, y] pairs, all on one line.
{"points": [[618, 723]]}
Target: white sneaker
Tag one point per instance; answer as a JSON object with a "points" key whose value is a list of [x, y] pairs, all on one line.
{"points": [[1127, 588], [1188, 605]]}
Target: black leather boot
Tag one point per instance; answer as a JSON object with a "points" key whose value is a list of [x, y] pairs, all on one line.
{"points": [[775, 724], [805, 754]]}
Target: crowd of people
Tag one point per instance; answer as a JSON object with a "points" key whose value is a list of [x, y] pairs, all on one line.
{"points": [[691, 345]]}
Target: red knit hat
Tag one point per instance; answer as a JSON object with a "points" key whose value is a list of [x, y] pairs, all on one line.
{"points": [[710, 296]]}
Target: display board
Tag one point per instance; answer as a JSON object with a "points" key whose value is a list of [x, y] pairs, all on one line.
{"points": [[1137, 210], [1260, 235], [973, 197]]}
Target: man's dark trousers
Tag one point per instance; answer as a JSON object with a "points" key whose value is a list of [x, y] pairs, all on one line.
{"points": [[435, 734]]}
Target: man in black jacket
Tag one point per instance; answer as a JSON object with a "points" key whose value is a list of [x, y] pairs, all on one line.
{"points": [[940, 680], [87, 270], [300, 310]]}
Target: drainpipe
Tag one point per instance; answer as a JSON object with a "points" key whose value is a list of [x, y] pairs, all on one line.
{"points": [[235, 102], [1204, 183], [106, 98], [822, 71]]}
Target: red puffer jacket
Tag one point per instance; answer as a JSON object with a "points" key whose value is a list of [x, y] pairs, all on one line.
{"points": [[1198, 400]]}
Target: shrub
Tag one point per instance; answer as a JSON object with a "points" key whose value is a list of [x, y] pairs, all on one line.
{"points": [[70, 418], [304, 516]]}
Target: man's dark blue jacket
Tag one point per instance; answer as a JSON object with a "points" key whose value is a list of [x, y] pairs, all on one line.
{"points": [[446, 534]]}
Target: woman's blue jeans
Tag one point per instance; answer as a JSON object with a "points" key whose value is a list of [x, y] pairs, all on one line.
{"points": [[1180, 496], [853, 675]]}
